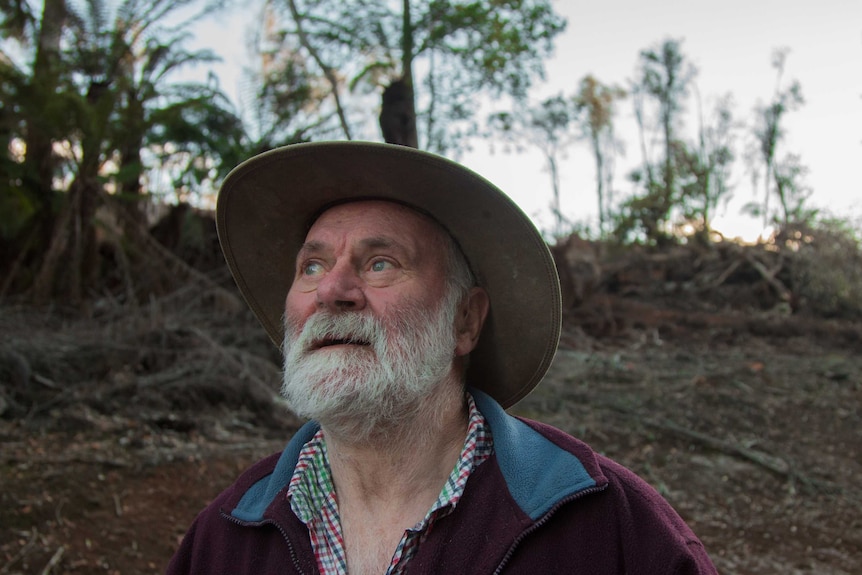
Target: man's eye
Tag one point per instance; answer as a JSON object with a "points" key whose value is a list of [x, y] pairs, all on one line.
{"points": [[312, 268], [380, 266]]}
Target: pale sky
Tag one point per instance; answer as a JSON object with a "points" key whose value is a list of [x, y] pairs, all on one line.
{"points": [[731, 43]]}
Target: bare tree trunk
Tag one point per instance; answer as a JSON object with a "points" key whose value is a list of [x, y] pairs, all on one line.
{"points": [[39, 159], [70, 265], [637, 98], [46, 278], [398, 116], [555, 205], [398, 106], [600, 179]]}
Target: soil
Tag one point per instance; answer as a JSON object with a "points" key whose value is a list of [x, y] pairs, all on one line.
{"points": [[118, 424]]}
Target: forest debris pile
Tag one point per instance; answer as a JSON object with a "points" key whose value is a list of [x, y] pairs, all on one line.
{"points": [[175, 365], [798, 281]]}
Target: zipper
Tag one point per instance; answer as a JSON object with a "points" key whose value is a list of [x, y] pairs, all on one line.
{"points": [[275, 524], [542, 520]]}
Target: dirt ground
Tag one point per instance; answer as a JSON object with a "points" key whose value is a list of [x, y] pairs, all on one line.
{"points": [[117, 429]]}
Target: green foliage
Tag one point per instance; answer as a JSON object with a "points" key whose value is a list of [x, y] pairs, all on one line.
{"points": [[16, 19], [98, 82], [286, 101], [705, 168], [643, 219], [467, 47], [17, 208], [659, 95], [781, 179]]}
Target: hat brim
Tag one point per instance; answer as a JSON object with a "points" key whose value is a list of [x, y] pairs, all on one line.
{"points": [[266, 204]]}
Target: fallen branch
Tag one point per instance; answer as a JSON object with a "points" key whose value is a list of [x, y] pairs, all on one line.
{"points": [[719, 281], [55, 560], [772, 463], [171, 260], [769, 277], [31, 460], [118, 505], [22, 552], [230, 356]]}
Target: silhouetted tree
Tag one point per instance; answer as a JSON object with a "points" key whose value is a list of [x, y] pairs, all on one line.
{"points": [[705, 166], [769, 133], [83, 113], [595, 107], [663, 82]]}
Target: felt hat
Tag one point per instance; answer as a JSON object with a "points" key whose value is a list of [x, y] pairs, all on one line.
{"points": [[267, 204]]}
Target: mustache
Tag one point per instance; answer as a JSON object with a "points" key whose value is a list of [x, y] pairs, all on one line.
{"points": [[325, 328]]}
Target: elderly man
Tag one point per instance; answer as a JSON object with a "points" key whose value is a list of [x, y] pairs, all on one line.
{"points": [[414, 302]]}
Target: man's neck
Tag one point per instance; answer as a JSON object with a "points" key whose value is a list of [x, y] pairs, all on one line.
{"points": [[406, 459], [387, 485]]}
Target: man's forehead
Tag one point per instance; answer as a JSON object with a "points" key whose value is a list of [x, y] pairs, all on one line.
{"points": [[367, 242], [386, 218]]}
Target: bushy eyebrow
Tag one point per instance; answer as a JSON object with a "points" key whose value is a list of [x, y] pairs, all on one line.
{"points": [[309, 248], [380, 242], [372, 243]]}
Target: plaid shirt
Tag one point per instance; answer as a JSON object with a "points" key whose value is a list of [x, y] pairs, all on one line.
{"points": [[313, 499]]}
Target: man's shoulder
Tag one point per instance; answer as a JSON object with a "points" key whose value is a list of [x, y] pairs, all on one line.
{"points": [[649, 527], [565, 441], [253, 475]]}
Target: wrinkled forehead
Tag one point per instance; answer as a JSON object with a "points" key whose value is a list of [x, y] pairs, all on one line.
{"points": [[383, 217]]}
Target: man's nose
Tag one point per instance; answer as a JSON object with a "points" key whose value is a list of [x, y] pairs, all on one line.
{"points": [[341, 289]]}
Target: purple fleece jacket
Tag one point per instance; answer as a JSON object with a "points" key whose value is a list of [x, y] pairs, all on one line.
{"points": [[543, 503]]}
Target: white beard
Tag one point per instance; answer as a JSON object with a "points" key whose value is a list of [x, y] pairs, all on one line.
{"points": [[355, 390]]}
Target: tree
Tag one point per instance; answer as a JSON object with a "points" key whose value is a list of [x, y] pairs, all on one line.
{"points": [[99, 89], [769, 133], [594, 105], [706, 166], [663, 82], [33, 116], [41, 113], [792, 191], [430, 59], [283, 93], [548, 127]]}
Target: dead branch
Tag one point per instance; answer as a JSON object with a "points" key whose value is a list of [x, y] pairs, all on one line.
{"points": [[769, 276], [31, 460], [55, 560], [168, 376], [772, 463], [58, 512], [777, 465], [31, 542], [719, 281], [160, 251], [63, 397], [118, 505], [41, 379], [226, 353]]}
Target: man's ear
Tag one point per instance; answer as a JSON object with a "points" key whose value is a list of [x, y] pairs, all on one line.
{"points": [[469, 320]]}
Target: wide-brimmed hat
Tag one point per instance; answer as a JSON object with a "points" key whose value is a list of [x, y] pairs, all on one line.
{"points": [[267, 204]]}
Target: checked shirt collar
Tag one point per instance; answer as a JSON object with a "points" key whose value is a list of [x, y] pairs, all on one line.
{"points": [[313, 499]]}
